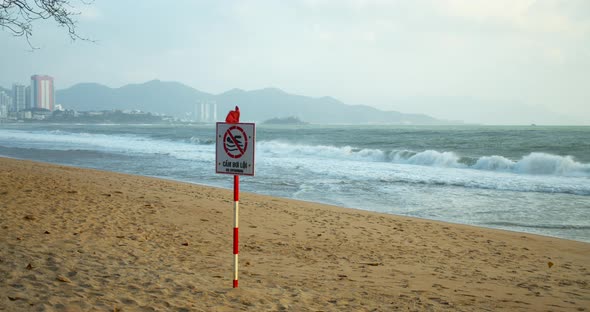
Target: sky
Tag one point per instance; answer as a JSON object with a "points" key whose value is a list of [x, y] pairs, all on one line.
{"points": [[479, 61]]}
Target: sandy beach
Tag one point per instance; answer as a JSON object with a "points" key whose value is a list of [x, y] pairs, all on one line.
{"points": [[84, 240]]}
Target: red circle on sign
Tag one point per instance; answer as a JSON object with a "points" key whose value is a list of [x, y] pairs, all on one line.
{"points": [[235, 142]]}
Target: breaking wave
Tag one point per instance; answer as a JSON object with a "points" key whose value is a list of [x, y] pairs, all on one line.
{"points": [[202, 148], [533, 163], [536, 163]]}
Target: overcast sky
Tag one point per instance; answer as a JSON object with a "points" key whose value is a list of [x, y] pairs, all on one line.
{"points": [[494, 62]]}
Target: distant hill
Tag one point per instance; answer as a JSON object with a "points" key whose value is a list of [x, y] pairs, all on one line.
{"points": [[177, 99], [170, 98], [285, 121]]}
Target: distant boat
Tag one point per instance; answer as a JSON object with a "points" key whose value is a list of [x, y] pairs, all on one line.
{"points": [[533, 125]]}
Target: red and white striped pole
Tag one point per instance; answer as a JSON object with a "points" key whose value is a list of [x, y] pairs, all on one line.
{"points": [[236, 213]]}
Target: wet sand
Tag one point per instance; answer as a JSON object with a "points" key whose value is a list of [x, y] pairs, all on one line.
{"points": [[84, 240]]}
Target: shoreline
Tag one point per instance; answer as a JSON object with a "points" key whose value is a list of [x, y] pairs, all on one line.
{"points": [[301, 200], [84, 239]]}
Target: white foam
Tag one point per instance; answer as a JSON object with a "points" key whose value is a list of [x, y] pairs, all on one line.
{"points": [[434, 159], [541, 163], [126, 144], [283, 149], [494, 163], [535, 163], [303, 155]]}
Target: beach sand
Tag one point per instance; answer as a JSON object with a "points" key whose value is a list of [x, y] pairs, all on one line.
{"points": [[84, 240]]}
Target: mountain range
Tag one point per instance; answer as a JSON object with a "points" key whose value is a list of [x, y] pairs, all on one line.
{"points": [[179, 100]]}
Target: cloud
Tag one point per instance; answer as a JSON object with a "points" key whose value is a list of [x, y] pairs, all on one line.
{"points": [[540, 16]]}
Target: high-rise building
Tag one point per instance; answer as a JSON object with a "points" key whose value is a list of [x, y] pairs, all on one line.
{"points": [[28, 97], [5, 99], [18, 98], [42, 92], [206, 111], [5, 103]]}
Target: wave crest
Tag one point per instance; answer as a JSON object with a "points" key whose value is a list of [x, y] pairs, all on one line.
{"points": [[494, 163], [541, 163], [429, 158], [534, 163]]}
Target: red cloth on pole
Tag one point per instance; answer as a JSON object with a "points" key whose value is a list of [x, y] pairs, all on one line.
{"points": [[233, 116]]}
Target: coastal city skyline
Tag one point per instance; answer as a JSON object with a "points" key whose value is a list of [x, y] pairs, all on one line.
{"points": [[19, 102], [37, 101]]}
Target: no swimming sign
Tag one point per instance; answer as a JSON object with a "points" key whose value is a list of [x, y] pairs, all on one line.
{"points": [[234, 154], [235, 148]]}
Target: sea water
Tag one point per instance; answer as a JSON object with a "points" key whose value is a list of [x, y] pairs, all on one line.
{"points": [[527, 179]]}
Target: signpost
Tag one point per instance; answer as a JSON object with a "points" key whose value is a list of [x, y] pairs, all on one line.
{"points": [[235, 146]]}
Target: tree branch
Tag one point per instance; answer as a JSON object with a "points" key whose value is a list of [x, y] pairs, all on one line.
{"points": [[18, 16]]}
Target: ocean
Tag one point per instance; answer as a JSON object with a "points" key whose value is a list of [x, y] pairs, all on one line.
{"points": [[526, 179]]}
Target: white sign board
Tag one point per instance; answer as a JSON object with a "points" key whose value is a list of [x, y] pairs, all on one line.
{"points": [[234, 149]]}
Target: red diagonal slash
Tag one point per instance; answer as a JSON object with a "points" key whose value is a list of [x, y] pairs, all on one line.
{"points": [[236, 141]]}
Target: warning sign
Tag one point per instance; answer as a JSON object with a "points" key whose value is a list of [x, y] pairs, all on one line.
{"points": [[235, 142], [235, 148]]}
